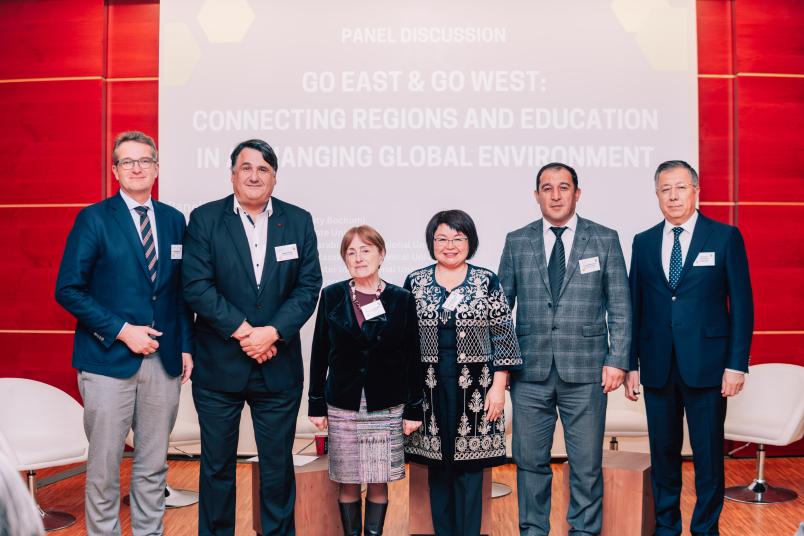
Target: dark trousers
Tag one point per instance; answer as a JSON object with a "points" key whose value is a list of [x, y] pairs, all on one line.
{"points": [[274, 416], [456, 500], [706, 412]]}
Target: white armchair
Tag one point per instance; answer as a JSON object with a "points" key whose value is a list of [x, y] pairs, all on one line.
{"points": [[624, 418], [769, 411], [41, 426]]}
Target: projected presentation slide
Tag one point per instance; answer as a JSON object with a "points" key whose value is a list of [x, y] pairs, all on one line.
{"points": [[385, 112]]}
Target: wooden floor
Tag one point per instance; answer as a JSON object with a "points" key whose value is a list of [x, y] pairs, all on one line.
{"points": [[737, 519]]}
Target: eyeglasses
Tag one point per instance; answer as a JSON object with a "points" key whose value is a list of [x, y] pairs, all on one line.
{"points": [[458, 241], [128, 164], [681, 189]]}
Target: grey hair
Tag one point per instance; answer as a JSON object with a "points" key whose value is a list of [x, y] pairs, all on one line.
{"points": [[133, 135], [673, 164]]}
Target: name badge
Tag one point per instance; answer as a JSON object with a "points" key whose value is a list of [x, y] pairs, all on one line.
{"points": [[452, 301], [705, 258], [175, 251], [372, 310], [587, 266], [286, 253]]}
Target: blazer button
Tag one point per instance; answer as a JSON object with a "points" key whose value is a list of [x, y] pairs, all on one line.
{"points": [[462, 334], [555, 328], [673, 298], [379, 337], [153, 298], [363, 370]]}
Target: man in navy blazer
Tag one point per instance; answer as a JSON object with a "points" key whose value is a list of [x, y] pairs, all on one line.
{"points": [[120, 277], [251, 274], [693, 322]]}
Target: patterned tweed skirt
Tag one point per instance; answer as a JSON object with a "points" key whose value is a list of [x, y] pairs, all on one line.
{"points": [[365, 446]]}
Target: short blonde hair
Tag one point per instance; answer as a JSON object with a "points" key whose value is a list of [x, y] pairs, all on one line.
{"points": [[367, 234]]}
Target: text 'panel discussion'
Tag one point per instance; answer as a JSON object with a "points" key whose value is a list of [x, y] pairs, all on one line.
{"points": [[365, 267]]}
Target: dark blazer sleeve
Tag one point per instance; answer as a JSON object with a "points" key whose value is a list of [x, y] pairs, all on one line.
{"points": [[198, 276], [618, 306], [741, 303], [72, 284], [186, 318], [636, 307], [319, 363], [413, 361], [507, 274], [300, 304]]}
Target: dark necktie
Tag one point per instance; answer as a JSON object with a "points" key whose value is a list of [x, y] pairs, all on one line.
{"points": [[675, 258], [557, 264], [148, 246]]}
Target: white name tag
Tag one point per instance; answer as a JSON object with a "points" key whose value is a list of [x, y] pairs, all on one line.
{"points": [[372, 310], [452, 301], [286, 253], [705, 258], [175, 251], [587, 266]]}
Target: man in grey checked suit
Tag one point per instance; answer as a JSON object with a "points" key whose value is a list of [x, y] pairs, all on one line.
{"points": [[573, 321]]}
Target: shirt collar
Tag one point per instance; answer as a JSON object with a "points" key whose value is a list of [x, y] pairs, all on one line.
{"points": [[572, 224], [688, 225], [132, 204], [268, 209]]}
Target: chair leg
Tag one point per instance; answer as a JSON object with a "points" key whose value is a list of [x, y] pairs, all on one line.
{"points": [[179, 498], [614, 444], [759, 491], [51, 520]]}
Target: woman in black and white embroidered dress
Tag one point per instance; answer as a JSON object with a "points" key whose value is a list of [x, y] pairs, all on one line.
{"points": [[468, 345]]}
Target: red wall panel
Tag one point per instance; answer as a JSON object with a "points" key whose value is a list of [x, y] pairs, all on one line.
{"points": [[42, 357], [53, 38], [769, 37], [133, 39], [771, 138], [131, 105], [716, 148], [33, 240], [776, 256], [715, 39], [49, 141]]}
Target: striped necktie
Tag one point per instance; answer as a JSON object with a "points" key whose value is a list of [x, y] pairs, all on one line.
{"points": [[148, 245]]}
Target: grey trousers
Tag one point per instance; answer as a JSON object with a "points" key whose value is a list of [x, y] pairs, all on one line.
{"points": [[147, 403], [582, 407]]}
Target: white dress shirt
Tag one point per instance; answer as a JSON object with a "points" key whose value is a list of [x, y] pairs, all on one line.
{"points": [[684, 239], [567, 238], [257, 235], [131, 204]]}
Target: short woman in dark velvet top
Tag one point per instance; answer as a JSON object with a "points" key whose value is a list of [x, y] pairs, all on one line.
{"points": [[365, 381]]}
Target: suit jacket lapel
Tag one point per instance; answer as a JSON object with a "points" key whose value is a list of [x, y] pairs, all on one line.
{"points": [[537, 242], [342, 314], [654, 251], [578, 247], [130, 232], [234, 225], [276, 235], [165, 240], [699, 235]]}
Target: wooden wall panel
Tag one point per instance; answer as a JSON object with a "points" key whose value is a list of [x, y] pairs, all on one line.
{"points": [[776, 256], [769, 36], [771, 138], [131, 105], [716, 147], [34, 240], [715, 39], [133, 38], [53, 38], [49, 141], [40, 356]]}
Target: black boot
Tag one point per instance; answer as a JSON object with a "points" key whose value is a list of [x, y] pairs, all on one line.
{"points": [[351, 518], [375, 518]]}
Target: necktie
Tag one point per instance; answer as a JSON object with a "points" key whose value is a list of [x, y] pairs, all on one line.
{"points": [[148, 246], [557, 264], [675, 258]]}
